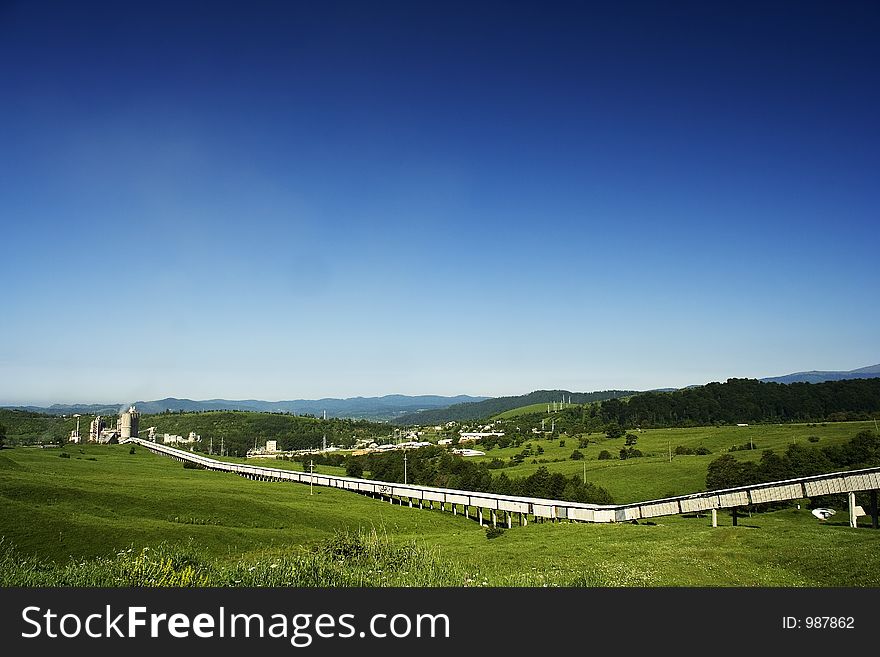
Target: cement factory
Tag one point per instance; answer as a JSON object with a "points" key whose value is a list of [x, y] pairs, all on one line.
{"points": [[99, 431]]}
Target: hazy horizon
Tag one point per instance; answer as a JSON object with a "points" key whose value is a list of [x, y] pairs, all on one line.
{"points": [[289, 201]]}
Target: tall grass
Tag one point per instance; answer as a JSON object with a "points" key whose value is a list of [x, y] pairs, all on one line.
{"points": [[348, 559]]}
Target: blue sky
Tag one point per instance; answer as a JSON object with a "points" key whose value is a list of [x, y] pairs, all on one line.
{"points": [[281, 200]]}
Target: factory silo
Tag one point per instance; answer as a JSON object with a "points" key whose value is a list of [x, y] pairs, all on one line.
{"points": [[128, 424]]}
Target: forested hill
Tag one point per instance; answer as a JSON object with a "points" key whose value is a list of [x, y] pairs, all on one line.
{"points": [[748, 401], [237, 431], [496, 405]]}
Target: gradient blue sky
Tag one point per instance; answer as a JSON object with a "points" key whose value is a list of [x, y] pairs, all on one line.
{"points": [[288, 200]]}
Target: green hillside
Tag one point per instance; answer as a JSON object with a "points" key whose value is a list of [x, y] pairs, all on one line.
{"points": [[108, 517], [653, 475], [492, 407]]}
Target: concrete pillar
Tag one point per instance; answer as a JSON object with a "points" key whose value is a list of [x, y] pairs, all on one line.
{"points": [[714, 518], [509, 519], [454, 510], [853, 520], [733, 515], [410, 502], [494, 518], [874, 509], [467, 512], [480, 513]]}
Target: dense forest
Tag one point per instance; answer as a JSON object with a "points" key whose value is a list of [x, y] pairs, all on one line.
{"points": [[747, 401], [491, 407]]}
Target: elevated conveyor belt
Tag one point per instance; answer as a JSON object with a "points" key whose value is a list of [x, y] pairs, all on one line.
{"points": [[538, 508]]}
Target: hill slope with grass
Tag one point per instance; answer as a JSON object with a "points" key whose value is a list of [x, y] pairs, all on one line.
{"points": [[109, 517], [492, 407]]}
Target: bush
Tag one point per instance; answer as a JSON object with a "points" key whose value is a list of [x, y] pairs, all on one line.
{"points": [[189, 465], [681, 449], [743, 448], [64, 455], [132, 450], [562, 443], [577, 455], [629, 453], [813, 439], [354, 468], [604, 455], [494, 532]]}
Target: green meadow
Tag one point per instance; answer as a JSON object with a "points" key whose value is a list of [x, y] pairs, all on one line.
{"points": [[108, 517], [654, 475]]}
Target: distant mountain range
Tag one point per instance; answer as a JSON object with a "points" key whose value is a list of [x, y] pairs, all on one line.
{"points": [[406, 409], [371, 408], [816, 376]]}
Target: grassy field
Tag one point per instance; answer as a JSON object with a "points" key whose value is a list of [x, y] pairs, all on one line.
{"points": [[522, 410], [85, 513], [281, 463], [654, 475]]}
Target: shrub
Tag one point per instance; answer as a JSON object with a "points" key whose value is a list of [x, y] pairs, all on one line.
{"points": [[494, 532], [604, 455], [64, 455], [562, 443], [132, 450], [813, 439], [189, 465], [702, 451], [354, 468], [629, 453], [577, 455]]}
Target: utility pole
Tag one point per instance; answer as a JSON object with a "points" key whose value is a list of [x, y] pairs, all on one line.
{"points": [[221, 445], [404, 466], [211, 446], [311, 476], [585, 472]]}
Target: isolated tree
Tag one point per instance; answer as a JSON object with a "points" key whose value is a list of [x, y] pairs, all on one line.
{"points": [[354, 468], [613, 430], [2, 436], [631, 439], [577, 455]]}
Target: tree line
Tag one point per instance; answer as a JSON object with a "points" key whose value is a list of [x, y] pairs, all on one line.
{"points": [[747, 401], [436, 466], [490, 407], [862, 451]]}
